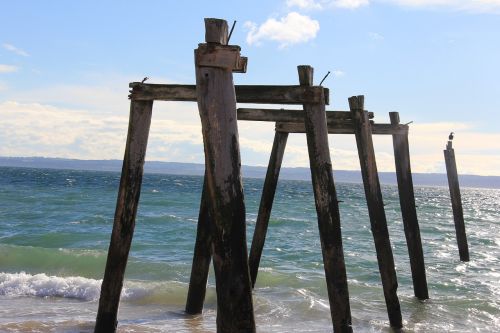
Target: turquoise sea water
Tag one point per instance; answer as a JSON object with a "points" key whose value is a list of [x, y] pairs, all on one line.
{"points": [[55, 227]]}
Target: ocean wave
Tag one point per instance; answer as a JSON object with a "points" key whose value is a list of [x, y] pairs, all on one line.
{"points": [[85, 289], [42, 285]]}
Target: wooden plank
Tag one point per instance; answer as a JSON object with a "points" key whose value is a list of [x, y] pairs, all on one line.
{"points": [[327, 208], [217, 107], [344, 127], [201, 257], [376, 210], [409, 210], [292, 116], [125, 213], [162, 92], [456, 201], [266, 203], [259, 94]]}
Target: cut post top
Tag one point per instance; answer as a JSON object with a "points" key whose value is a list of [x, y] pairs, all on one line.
{"points": [[394, 116], [216, 31], [357, 102], [306, 74]]}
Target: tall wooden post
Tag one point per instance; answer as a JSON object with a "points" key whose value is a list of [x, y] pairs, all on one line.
{"points": [[456, 201], [408, 210], [201, 257], [327, 208], [215, 61], [266, 202], [376, 210], [125, 213]]}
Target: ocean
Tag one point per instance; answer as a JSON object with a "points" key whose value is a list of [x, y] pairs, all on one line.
{"points": [[55, 227]]}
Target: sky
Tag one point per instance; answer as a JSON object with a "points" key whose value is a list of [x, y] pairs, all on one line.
{"points": [[65, 68]]}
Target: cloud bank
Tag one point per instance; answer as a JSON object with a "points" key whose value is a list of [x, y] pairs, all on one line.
{"points": [[294, 28], [475, 6]]}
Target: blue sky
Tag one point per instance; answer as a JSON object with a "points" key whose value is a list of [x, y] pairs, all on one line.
{"points": [[65, 68]]}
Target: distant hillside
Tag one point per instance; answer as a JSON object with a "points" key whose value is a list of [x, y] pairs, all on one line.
{"points": [[432, 179]]}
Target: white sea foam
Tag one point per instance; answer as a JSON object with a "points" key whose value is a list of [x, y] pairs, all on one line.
{"points": [[77, 287], [42, 285]]}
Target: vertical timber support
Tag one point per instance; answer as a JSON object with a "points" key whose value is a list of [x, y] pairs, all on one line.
{"points": [[125, 213], [201, 257], [266, 202], [215, 61], [408, 210], [327, 208], [373, 193], [456, 201]]}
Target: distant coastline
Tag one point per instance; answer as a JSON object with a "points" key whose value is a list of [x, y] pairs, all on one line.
{"points": [[177, 168]]}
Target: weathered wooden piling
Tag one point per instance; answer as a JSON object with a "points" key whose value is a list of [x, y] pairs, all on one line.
{"points": [[327, 207], [456, 201], [215, 61], [266, 203], [376, 210], [201, 257], [408, 210], [125, 213]]}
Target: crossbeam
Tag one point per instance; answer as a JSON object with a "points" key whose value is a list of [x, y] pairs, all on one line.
{"points": [[344, 127], [288, 116], [259, 94]]}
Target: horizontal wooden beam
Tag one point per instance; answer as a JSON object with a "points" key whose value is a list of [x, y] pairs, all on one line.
{"points": [[162, 92], [289, 116], [344, 127], [244, 93]]}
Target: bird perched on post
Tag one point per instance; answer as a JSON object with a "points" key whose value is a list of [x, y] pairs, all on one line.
{"points": [[450, 137]]}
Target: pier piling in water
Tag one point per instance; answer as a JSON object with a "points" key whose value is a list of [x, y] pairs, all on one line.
{"points": [[215, 62], [201, 257], [376, 210], [327, 207], [266, 203], [409, 210], [456, 201], [125, 213]]}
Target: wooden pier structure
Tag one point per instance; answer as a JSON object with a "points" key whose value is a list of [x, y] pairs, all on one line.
{"points": [[221, 231]]}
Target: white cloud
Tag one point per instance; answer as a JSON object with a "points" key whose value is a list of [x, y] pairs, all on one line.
{"points": [[464, 5], [338, 73], [291, 29], [324, 4], [350, 4], [476, 6], [7, 68], [18, 51], [304, 4], [375, 36], [33, 129]]}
